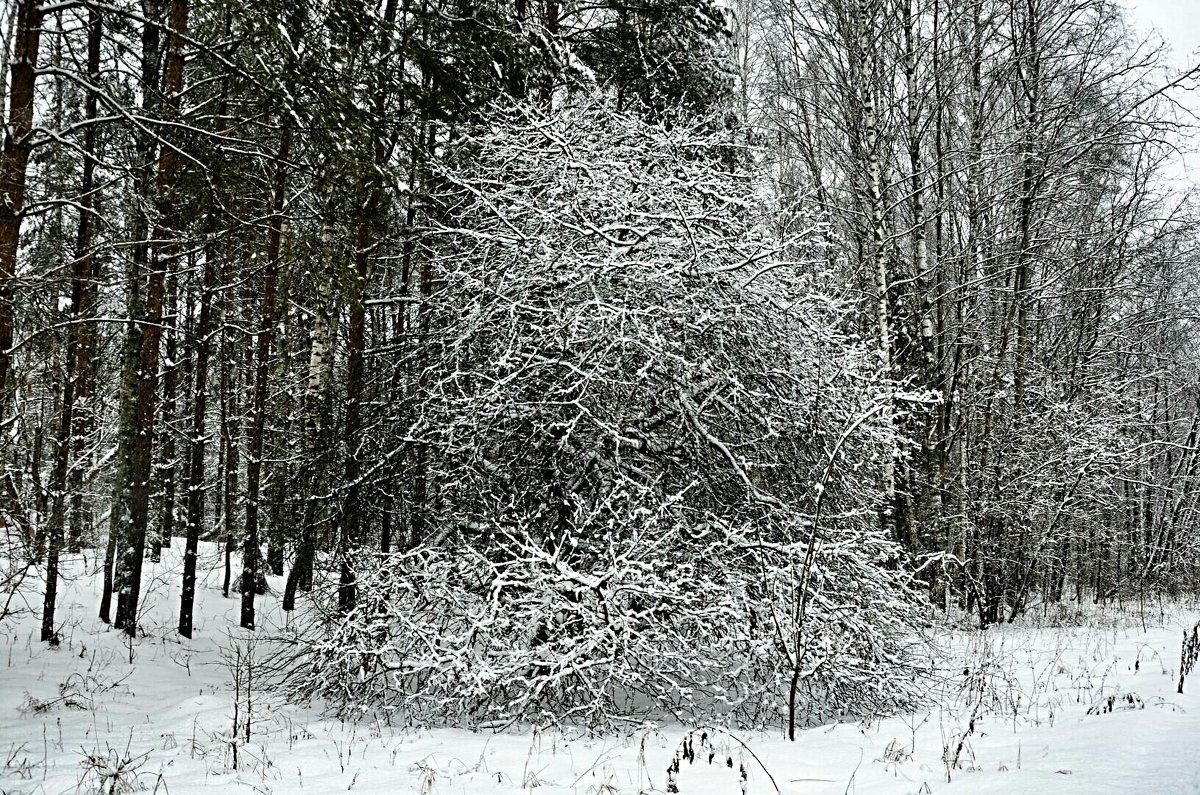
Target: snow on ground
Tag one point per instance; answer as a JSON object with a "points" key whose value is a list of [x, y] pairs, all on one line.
{"points": [[82, 718]]}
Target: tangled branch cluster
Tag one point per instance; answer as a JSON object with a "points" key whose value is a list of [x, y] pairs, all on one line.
{"points": [[635, 391]]}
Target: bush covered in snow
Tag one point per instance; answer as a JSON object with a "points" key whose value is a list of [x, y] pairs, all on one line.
{"points": [[654, 447]]}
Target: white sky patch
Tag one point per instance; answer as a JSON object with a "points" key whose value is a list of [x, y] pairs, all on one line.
{"points": [[1177, 24], [1176, 21]]}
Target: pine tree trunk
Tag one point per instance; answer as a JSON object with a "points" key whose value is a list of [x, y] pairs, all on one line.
{"points": [[196, 445], [136, 488], [319, 361], [352, 519], [72, 375], [167, 457], [281, 483], [13, 165], [354, 523], [250, 541], [229, 460], [122, 546]]}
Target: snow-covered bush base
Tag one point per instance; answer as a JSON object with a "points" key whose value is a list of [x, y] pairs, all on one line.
{"points": [[448, 636]]}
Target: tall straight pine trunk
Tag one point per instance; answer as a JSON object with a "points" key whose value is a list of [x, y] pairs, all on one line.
{"points": [[353, 524], [14, 162], [196, 444], [136, 489], [251, 553], [117, 564], [75, 365]]}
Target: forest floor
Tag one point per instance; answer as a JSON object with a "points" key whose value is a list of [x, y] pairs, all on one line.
{"points": [[1029, 705]]}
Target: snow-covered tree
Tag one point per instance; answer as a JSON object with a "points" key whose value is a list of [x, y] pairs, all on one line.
{"points": [[651, 450]]}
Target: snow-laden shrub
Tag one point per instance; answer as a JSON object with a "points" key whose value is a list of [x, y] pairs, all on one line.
{"points": [[451, 636], [633, 395]]}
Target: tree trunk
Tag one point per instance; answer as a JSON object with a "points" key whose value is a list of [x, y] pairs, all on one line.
{"points": [[319, 361], [136, 489], [196, 444], [167, 462], [72, 375], [352, 520], [879, 268], [228, 470], [250, 542], [15, 160]]}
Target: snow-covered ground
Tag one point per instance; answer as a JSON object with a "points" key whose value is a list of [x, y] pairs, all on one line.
{"points": [[84, 718]]}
